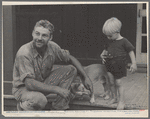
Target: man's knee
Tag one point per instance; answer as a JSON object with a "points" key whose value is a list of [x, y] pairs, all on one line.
{"points": [[33, 101]]}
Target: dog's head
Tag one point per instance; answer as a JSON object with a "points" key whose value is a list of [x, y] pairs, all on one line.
{"points": [[79, 87]]}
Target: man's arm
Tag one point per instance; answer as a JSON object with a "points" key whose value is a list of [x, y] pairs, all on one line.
{"points": [[78, 65], [86, 80], [34, 85]]}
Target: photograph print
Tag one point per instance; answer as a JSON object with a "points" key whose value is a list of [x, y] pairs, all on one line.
{"points": [[75, 57]]}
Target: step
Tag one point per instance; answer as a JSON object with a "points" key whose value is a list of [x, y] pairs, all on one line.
{"points": [[10, 104]]}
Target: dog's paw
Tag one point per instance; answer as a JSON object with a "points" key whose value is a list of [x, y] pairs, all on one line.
{"points": [[92, 100], [106, 97], [102, 95], [79, 93]]}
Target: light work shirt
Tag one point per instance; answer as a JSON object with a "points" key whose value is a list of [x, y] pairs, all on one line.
{"points": [[29, 63]]}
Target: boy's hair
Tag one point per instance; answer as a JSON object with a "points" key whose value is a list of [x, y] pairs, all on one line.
{"points": [[112, 25], [46, 24]]}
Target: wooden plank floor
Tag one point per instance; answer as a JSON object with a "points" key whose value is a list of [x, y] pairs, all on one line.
{"points": [[135, 93]]}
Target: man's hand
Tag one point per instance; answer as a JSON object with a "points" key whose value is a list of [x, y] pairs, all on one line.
{"points": [[86, 81], [88, 84], [65, 94]]}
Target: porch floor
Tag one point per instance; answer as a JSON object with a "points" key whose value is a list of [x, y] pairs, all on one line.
{"points": [[136, 93], [136, 96]]}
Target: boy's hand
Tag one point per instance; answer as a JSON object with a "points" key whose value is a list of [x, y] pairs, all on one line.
{"points": [[103, 58], [103, 61], [104, 53], [133, 68]]}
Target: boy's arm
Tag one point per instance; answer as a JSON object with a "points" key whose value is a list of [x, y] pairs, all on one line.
{"points": [[103, 56], [133, 67]]}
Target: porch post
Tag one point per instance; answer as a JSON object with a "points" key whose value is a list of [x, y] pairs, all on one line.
{"points": [[7, 42]]}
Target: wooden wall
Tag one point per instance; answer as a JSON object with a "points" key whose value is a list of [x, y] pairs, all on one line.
{"points": [[78, 28]]}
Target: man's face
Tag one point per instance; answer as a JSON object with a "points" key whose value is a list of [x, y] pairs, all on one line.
{"points": [[41, 36]]}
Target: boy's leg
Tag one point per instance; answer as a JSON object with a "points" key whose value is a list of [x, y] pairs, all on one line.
{"points": [[121, 103], [62, 77], [113, 89]]}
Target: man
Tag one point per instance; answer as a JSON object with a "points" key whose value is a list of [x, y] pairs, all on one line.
{"points": [[33, 78]]}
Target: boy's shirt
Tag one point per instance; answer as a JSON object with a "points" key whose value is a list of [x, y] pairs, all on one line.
{"points": [[119, 49], [117, 57]]}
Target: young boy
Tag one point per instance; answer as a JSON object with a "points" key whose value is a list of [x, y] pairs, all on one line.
{"points": [[115, 58]]}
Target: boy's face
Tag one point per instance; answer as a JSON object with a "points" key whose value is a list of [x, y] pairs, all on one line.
{"points": [[41, 36], [113, 36]]}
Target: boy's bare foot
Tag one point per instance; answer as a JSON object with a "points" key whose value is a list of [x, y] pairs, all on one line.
{"points": [[121, 105], [112, 101]]}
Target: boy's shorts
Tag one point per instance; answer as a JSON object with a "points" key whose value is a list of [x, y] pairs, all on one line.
{"points": [[117, 68]]}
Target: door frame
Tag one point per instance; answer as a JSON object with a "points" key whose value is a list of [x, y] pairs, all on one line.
{"points": [[141, 58]]}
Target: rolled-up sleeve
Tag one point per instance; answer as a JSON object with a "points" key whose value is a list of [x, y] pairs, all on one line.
{"points": [[128, 46], [63, 55], [60, 54], [24, 67]]}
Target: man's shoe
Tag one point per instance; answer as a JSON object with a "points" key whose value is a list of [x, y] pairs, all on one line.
{"points": [[19, 107]]}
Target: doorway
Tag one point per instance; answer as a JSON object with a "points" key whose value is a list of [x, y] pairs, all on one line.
{"points": [[142, 34]]}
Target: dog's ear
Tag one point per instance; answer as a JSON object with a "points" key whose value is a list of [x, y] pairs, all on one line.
{"points": [[76, 86]]}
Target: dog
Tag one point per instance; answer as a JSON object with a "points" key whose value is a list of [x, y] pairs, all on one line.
{"points": [[95, 73], [79, 90]]}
